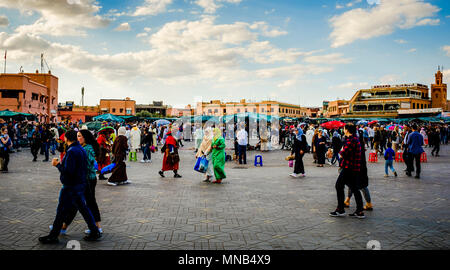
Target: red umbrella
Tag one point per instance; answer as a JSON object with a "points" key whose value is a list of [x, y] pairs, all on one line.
{"points": [[372, 122], [333, 125]]}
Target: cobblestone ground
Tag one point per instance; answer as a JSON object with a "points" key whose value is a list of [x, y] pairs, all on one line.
{"points": [[255, 208]]}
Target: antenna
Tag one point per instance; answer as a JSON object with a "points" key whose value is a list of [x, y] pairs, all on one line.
{"points": [[42, 63]]}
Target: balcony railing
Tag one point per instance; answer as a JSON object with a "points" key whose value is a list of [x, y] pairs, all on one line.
{"points": [[393, 96]]}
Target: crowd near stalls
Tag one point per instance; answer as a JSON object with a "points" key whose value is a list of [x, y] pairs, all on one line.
{"points": [[99, 150]]}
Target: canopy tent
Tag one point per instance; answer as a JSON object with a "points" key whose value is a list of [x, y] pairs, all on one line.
{"points": [[6, 114], [95, 125], [108, 117], [129, 117], [333, 124]]}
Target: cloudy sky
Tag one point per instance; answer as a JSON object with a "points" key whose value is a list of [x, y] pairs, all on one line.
{"points": [[181, 51]]}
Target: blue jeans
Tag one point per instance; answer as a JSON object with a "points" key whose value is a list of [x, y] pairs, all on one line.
{"points": [[53, 146], [335, 158], [45, 147], [147, 152], [389, 164]]}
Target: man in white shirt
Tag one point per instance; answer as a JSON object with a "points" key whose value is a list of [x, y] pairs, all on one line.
{"points": [[371, 134], [242, 139]]}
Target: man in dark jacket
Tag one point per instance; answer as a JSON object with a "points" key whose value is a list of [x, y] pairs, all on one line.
{"points": [[46, 137], [73, 170]]}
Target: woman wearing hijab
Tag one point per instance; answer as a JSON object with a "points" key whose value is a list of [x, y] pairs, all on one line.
{"points": [[171, 159], [320, 148], [218, 156], [299, 149], [119, 150], [205, 149]]}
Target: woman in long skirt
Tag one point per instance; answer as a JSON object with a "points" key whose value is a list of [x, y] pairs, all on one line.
{"points": [[320, 149], [299, 149], [170, 150], [218, 156], [119, 150], [205, 149], [105, 149]]}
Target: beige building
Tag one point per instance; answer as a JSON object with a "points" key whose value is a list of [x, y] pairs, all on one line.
{"points": [[118, 106], [269, 107]]}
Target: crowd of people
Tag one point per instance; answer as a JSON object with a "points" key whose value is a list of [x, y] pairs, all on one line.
{"points": [[84, 154]]}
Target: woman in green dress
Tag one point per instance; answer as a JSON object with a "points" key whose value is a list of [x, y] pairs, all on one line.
{"points": [[218, 156]]}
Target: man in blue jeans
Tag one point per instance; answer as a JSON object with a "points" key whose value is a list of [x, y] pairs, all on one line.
{"points": [[415, 143], [73, 169], [242, 140], [389, 156]]}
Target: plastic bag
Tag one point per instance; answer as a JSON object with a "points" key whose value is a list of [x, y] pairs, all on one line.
{"points": [[201, 165], [108, 168]]}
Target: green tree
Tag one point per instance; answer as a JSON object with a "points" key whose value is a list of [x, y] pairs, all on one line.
{"points": [[144, 114]]}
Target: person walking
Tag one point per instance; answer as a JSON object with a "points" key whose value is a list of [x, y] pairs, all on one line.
{"points": [[135, 142], [350, 168], [103, 141], [336, 144], [90, 145], [198, 135], [35, 143], [147, 143], [299, 150], [218, 156], [435, 141], [415, 143], [171, 158], [363, 178], [46, 137], [119, 151], [389, 156], [242, 140], [73, 169], [5, 146], [320, 144], [371, 133], [205, 149]]}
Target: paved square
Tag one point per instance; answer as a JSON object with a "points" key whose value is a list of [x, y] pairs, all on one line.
{"points": [[255, 208]]}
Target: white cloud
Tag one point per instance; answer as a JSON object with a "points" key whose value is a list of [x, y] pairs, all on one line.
{"points": [[446, 49], [373, 2], [338, 6], [381, 19], [59, 18], [152, 7], [401, 41], [264, 28], [389, 79], [140, 35], [147, 29], [123, 27], [350, 85], [446, 73], [4, 20], [334, 58], [267, 12], [413, 50], [351, 4], [211, 6]]}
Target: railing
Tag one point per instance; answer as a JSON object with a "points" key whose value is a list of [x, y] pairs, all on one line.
{"points": [[393, 96]]}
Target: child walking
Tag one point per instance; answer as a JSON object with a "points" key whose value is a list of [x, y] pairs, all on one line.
{"points": [[389, 155]]}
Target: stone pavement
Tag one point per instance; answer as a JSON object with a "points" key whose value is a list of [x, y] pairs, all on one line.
{"points": [[255, 208]]}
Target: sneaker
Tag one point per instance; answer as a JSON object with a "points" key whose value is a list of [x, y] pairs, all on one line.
{"points": [[112, 184], [303, 175], [386, 175], [92, 237], [126, 182], [417, 176], [293, 175], [89, 231], [63, 232], [161, 173], [48, 240], [148, 161], [359, 215], [338, 213], [177, 176], [143, 161]]}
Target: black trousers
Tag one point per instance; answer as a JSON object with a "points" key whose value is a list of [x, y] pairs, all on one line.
{"points": [[34, 151], [436, 149], [68, 199], [5, 156], [91, 203], [348, 178], [298, 167], [411, 158], [242, 154]]}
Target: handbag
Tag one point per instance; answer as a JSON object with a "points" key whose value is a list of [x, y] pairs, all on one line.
{"points": [[201, 165], [152, 149]]}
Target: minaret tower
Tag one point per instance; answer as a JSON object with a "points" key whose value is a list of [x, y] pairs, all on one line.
{"points": [[439, 92]]}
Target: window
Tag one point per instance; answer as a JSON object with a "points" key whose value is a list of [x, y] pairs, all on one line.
{"points": [[34, 96], [224, 110], [114, 110], [238, 110], [414, 105], [128, 111], [262, 109], [421, 106], [216, 110], [121, 110], [254, 110], [209, 111], [271, 109]]}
